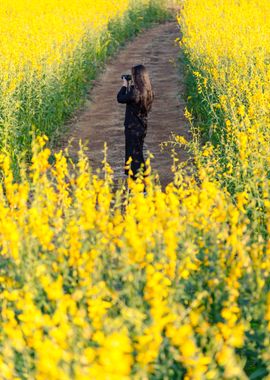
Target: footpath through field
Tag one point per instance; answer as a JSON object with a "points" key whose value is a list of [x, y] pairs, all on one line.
{"points": [[102, 117]]}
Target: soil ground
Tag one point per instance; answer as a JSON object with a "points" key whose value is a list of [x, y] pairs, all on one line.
{"points": [[102, 117]]}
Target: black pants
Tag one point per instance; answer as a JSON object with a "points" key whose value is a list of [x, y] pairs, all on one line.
{"points": [[134, 148]]}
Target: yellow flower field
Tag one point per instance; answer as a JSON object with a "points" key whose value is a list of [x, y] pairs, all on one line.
{"points": [[98, 283], [50, 52], [227, 53], [104, 285]]}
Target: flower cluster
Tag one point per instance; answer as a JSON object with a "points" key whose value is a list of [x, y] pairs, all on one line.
{"points": [[99, 282], [227, 54], [51, 51], [105, 283]]}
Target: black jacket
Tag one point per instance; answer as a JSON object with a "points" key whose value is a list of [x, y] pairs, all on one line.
{"points": [[134, 116]]}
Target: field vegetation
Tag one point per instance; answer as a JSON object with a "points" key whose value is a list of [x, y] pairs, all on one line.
{"points": [[98, 283], [51, 52]]}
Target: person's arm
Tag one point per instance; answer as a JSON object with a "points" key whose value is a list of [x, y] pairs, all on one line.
{"points": [[125, 95]]}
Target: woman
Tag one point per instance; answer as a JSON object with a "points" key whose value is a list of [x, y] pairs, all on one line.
{"points": [[138, 98]]}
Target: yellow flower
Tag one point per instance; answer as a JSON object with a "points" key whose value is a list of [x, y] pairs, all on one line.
{"points": [[181, 140], [188, 348]]}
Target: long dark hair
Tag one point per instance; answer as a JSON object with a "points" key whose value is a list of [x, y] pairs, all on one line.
{"points": [[143, 87]]}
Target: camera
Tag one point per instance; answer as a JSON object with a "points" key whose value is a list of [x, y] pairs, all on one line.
{"points": [[127, 77]]}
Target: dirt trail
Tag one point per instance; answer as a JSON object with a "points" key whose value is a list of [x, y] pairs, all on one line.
{"points": [[102, 117]]}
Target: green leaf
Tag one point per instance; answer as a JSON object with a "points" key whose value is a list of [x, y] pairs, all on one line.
{"points": [[258, 374]]}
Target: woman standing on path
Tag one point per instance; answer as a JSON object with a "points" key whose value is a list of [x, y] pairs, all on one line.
{"points": [[138, 98]]}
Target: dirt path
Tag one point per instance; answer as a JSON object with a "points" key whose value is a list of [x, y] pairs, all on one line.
{"points": [[102, 117]]}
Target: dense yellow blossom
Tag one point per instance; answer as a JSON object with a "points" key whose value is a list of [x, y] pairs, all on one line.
{"points": [[122, 291], [51, 50], [105, 283], [226, 46], [41, 34]]}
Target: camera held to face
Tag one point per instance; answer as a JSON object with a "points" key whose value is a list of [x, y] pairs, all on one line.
{"points": [[127, 77]]}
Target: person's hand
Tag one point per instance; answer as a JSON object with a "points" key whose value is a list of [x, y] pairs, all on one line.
{"points": [[125, 83]]}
